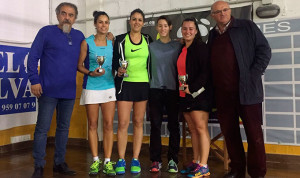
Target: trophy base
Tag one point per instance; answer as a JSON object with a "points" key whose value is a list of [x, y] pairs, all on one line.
{"points": [[182, 88], [100, 70]]}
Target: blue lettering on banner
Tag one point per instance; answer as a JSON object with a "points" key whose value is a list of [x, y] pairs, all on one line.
{"points": [[15, 95]]}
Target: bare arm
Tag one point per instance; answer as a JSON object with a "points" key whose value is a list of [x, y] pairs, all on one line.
{"points": [[82, 56]]}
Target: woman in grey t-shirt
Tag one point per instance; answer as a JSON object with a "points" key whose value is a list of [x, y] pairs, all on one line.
{"points": [[163, 98]]}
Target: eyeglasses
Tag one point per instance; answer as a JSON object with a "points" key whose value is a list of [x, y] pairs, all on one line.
{"points": [[220, 11], [69, 39]]}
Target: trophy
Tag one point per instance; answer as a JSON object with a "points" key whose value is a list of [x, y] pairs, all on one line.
{"points": [[124, 65], [100, 60], [182, 79]]}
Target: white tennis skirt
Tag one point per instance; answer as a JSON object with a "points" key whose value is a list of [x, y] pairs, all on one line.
{"points": [[97, 96]]}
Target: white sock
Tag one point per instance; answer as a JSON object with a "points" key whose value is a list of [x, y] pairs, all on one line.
{"points": [[203, 165], [106, 160], [96, 158]]}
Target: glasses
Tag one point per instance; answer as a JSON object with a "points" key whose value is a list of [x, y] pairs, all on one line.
{"points": [[220, 11], [69, 39]]}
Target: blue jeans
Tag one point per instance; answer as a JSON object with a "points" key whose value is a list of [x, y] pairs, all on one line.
{"points": [[64, 108]]}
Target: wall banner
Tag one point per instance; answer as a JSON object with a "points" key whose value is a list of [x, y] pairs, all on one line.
{"points": [[15, 95]]}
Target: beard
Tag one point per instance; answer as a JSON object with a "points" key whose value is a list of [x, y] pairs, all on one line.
{"points": [[66, 28]]}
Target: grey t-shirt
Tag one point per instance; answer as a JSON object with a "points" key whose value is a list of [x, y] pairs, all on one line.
{"points": [[163, 64]]}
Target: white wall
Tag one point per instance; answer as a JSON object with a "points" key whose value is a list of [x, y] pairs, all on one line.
{"points": [[21, 20], [117, 8]]}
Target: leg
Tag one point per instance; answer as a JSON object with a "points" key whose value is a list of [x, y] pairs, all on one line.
{"points": [[252, 120], [63, 116], [200, 122], [227, 113], [139, 109], [124, 109], [192, 130], [108, 112], [155, 111], [45, 112], [92, 111], [173, 124]]}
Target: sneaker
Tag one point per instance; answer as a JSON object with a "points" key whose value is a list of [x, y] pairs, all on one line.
{"points": [[135, 166], [172, 166], [95, 167], [155, 167], [200, 171], [190, 167], [120, 167], [108, 169]]}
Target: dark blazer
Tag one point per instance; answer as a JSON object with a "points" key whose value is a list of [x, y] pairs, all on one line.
{"points": [[253, 54], [198, 69]]}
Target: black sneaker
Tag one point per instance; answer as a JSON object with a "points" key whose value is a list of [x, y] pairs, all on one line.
{"points": [[38, 172], [63, 169]]}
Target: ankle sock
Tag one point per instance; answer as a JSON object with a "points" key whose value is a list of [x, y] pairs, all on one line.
{"points": [[96, 158], [203, 165], [106, 160]]}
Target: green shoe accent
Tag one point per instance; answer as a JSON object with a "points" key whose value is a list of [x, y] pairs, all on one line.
{"points": [[135, 166], [95, 167], [172, 166], [108, 169], [120, 167]]}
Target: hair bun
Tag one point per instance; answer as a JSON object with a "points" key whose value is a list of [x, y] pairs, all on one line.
{"points": [[95, 13]]}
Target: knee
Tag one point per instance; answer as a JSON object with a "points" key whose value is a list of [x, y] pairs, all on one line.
{"points": [[123, 125], [93, 125], [192, 130], [173, 126], [138, 123], [41, 129], [107, 126], [155, 125], [229, 131], [255, 140]]}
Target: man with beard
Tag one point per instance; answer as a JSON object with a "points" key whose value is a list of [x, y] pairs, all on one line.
{"points": [[57, 47]]}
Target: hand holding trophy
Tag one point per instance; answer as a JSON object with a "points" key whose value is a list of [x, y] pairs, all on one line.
{"points": [[182, 79], [100, 60], [124, 65]]}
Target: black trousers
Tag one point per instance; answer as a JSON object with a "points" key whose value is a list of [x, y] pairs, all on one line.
{"points": [[158, 100], [228, 111]]}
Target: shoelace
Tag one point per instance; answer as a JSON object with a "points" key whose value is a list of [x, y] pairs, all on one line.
{"points": [[109, 166], [172, 163], [135, 163], [95, 165], [155, 165], [197, 168], [191, 165], [120, 163]]}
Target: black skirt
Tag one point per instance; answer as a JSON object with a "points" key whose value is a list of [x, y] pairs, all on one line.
{"points": [[188, 104], [133, 91]]}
